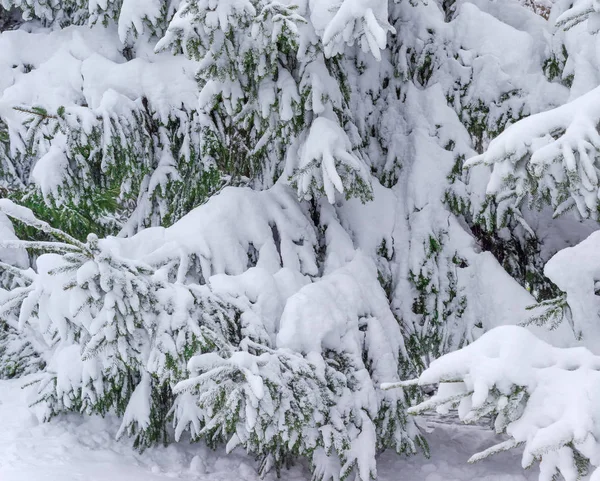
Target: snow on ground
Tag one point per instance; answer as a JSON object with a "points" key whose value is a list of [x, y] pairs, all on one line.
{"points": [[75, 448]]}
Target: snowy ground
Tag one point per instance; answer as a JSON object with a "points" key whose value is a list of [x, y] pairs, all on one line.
{"points": [[75, 448]]}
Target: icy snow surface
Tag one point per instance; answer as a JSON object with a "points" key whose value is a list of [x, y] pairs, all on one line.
{"points": [[75, 448]]}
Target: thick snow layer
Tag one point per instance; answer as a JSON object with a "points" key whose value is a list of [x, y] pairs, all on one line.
{"points": [[575, 270], [84, 66], [552, 153], [15, 257], [74, 448], [82, 72], [543, 397], [275, 226]]}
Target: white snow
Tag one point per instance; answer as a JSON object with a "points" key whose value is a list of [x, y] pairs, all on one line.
{"points": [[576, 271], [13, 257]]}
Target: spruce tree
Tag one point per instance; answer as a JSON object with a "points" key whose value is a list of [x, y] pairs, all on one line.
{"points": [[243, 216]]}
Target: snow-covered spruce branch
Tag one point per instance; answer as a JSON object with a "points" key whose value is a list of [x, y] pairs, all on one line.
{"points": [[26, 216], [550, 157], [580, 12], [542, 397], [273, 402], [116, 158], [105, 319], [259, 76], [18, 353], [364, 22], [576, 272], [327, 164], [252, 121], [117, 150], [132, 18]]}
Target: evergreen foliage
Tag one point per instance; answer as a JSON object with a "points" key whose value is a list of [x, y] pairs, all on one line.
{"points": [[232, 220], [146, 338]]}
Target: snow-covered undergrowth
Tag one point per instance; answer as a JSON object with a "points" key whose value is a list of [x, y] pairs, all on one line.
{"points": [[75, 448], [247, 334], [206, 323], [251, 334]]}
